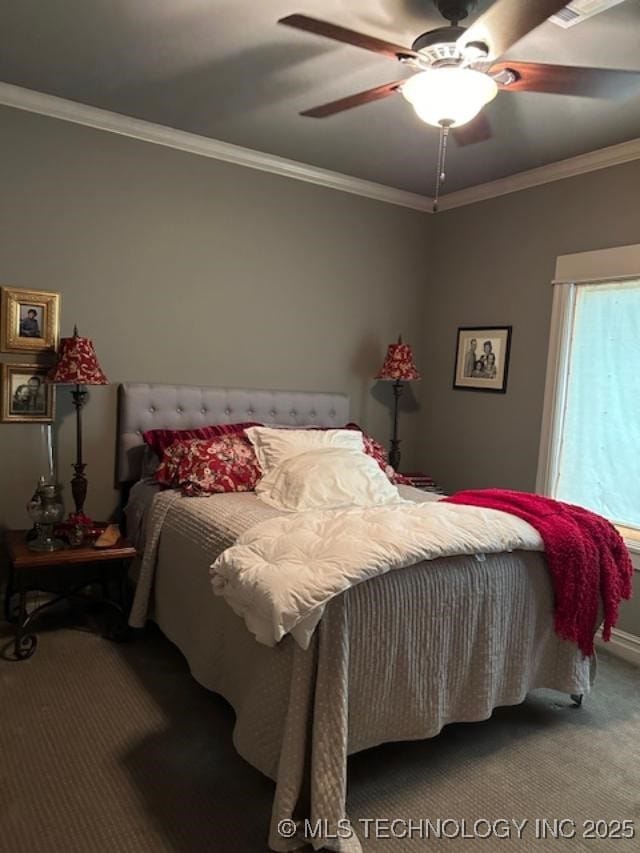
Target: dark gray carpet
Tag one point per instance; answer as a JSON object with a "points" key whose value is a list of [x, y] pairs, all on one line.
{"points": [[107, 747]]}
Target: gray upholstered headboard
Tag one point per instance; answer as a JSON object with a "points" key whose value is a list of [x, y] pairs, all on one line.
{"points": [[142, 407]]}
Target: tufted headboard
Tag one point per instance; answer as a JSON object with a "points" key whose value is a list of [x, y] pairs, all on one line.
{"points": [[142, 407]]}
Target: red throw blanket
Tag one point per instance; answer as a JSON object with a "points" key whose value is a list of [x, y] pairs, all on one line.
{"points": [[586, 555]]}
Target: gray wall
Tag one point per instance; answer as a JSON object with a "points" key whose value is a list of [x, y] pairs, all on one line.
{"points": [[492, 263], [185, 269]]}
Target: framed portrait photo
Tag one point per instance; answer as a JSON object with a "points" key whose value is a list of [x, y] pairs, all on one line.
{"points": [[26, 397], [482, 358], [29, 320]]}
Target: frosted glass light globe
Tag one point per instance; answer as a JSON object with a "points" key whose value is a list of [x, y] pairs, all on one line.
{"points": [[449, 95]]}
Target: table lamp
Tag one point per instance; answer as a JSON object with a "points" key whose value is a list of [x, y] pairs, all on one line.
{"points": [[78, 365], [398, 368]]}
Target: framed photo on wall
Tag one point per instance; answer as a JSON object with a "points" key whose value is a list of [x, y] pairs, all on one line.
{"points": [[26, 397], [482, 358], [29, 320]]}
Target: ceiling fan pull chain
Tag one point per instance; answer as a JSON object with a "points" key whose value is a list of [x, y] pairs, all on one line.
{"points": [[442, 157]]}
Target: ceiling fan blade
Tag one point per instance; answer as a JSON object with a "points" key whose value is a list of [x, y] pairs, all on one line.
{"points": [[353, 100], [333, 31], [568, 79], [507, 21], [477, 130]]}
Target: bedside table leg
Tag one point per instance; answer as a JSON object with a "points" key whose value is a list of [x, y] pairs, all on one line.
{"points": [[114, 601], [120, 629], [25, 643], [123, 587], [9, 612]]}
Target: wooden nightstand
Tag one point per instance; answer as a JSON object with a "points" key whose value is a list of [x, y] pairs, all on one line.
{"points": [[423, 482], [66, 573]]}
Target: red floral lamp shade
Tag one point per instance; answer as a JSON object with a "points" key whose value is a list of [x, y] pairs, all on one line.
{"points": [[398, 364], [77, 363]]}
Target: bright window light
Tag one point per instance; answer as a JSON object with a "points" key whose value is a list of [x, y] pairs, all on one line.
{"points": [[598, 464]]}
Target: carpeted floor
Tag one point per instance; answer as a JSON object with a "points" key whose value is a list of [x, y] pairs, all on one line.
{"points": [[107, 747]]}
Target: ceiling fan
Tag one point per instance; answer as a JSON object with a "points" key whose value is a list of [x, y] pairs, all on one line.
{"points": [[458, 69]]}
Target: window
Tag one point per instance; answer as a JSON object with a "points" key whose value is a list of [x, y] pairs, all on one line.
{"points": [[590, 449]]}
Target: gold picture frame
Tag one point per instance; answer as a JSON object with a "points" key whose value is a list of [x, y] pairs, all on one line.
{"points": [[25, 400], [29, 320]]}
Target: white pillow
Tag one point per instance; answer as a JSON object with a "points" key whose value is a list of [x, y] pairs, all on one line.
{"points": [[273, 446], [327, 478]]}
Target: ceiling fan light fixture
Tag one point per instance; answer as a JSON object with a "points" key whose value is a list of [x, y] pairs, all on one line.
{"points": [[447, 95]]}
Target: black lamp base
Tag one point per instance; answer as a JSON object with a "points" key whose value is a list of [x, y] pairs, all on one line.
{"points": [[79, 480], [79, 487], [394, 450], [394, 455]]}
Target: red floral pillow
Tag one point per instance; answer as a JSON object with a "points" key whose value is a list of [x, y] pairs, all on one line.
{"points": [[376, 450], [206, 466], [161, 439]]}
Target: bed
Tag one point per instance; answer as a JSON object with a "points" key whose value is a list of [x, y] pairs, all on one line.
{"points": [[394, 658]]}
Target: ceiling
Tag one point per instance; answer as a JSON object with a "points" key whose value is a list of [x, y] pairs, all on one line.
{"points": [[226, 70]]}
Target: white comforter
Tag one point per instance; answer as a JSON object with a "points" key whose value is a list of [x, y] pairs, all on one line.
{"points": [[281, 573]]}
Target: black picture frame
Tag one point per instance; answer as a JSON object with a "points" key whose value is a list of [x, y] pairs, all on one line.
{"points": [[488, 349]]}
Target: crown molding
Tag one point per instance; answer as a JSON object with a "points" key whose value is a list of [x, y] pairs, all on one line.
{"points": [[203, 146], [60, 108], [613, 155]]}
